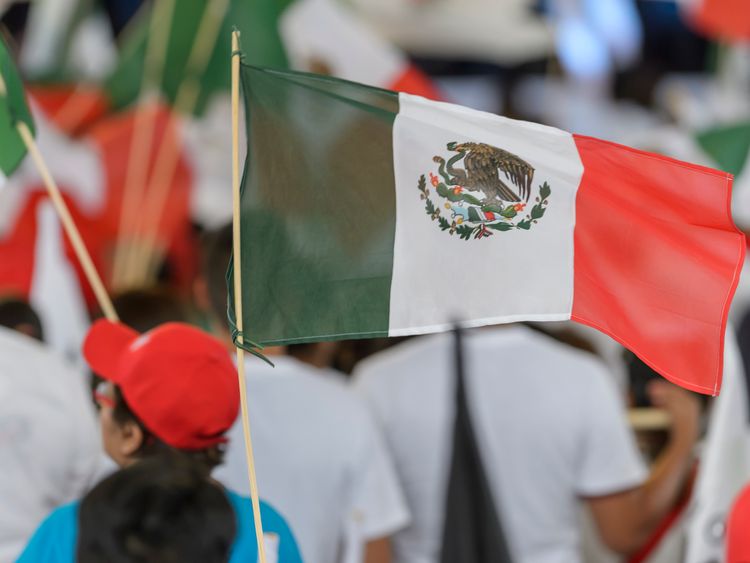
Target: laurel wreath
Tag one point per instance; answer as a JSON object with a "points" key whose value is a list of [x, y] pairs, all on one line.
{"points": [[484, 230]]}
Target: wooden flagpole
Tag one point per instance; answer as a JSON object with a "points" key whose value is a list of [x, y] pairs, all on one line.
{"points": [[238, 291], [67, 222], [143, 258], [105, 303], [136, 174]]}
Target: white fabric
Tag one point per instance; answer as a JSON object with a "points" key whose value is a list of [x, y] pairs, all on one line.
{"points": [[209, 151], [549, 424], [324, 32], [46, 32], [724, 463], [438, 278], [319, 459], [49, 443], [55, 292]]}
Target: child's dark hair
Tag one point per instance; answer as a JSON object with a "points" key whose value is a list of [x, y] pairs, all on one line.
{"points": [[158, 510], [205, 460]]}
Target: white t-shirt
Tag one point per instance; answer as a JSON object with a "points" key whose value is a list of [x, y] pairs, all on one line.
{"points": [[50, 447], [320, 459], [549, 425]]}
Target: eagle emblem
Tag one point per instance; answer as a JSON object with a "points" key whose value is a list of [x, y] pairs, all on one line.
{"points": [[489, 193]]}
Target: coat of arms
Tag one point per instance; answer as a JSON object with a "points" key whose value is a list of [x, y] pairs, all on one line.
{"points": [[478, 201]]}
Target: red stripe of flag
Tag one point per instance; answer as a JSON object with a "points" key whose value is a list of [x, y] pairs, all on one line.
{"points": [[657, 259]]}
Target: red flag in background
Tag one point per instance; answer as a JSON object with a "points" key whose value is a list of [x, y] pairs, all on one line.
{"points": [[722, 19], [94, 194], [72, 108]]}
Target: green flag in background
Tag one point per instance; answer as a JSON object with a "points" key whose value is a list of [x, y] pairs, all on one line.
{"points": [[12, 109], [257, 20], [727, 145]]}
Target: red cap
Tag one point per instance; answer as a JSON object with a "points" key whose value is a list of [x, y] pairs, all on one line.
{"points": [[178, 380]]}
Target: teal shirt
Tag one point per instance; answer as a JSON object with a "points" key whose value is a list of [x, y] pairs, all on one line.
{"points": [[55, 539]]}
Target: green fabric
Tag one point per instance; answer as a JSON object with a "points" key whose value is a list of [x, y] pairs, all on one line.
{"points": [[13, 109], [728, 146], [257, 21], [318, 208]]}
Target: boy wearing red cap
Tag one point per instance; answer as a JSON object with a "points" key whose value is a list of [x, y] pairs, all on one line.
{"points": [[171, 389]]}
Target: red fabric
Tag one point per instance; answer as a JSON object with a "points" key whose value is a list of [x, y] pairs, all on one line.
{"points": [[738, 529], [17, 253], [113, 139], [72, 108], [657, 259], [178, 380], [18, 247], [723, 19], [414, 81]]}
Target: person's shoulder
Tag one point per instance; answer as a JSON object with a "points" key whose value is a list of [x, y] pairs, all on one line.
{"points": [[398, 360], [308, 381], [23, 355], [55, 538], [273, 521], [243, 508], [13, 342], [564, 356]]}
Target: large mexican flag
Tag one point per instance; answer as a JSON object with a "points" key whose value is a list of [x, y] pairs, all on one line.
{"points": [[318, 35], [370, 213], [13, 109]]}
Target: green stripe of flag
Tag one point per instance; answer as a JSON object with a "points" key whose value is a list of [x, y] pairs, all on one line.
{"points": [[12, 109], [318, 208]]}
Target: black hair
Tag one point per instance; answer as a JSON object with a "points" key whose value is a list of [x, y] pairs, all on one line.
{"points": [[144, 309], [18, 315], [205, 460], [216, 252], [160, 510]]}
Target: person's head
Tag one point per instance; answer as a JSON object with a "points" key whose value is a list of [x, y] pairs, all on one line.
{"points": [[18, 315], [173, 388], [144, 309], [211, 289], [318, 354], [160, 510]]}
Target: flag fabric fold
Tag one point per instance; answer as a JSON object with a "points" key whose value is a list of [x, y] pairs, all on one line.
{"points": [[370, 213]]}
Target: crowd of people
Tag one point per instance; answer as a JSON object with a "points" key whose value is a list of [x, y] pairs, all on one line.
{"points": [[122, 441], [349, 468]]}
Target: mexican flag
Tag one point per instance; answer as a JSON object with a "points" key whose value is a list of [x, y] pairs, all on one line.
{"points": [[311, 35], [370, 213], [13, 109]]}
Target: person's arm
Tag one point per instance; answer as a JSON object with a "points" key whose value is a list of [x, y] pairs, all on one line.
{"points": [[627, 519], [378, 551]]}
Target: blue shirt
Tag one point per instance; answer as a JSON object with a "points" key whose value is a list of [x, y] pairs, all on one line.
{"points": [[55, 539]]}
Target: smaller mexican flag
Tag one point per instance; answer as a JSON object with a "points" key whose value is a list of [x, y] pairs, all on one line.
{"points": [[13, 109], [370, 213]]}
